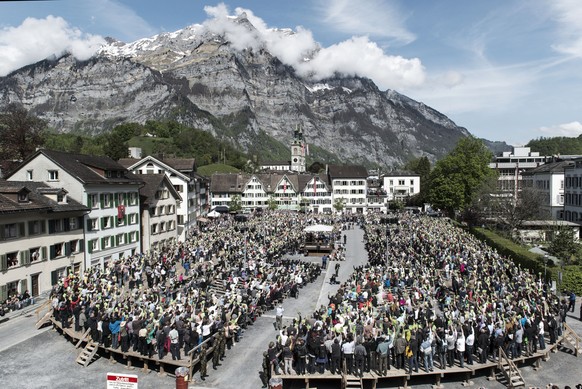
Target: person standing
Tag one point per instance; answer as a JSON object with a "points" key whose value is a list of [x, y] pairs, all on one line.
{"points": [[572, 302], [279, 317], [174, 343], [360, 355], [336, 356], [204, 363], [384, 354]]}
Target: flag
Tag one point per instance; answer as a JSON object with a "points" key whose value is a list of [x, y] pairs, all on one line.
{"points": [[314, 186], [284, 186], [307, 148], [120, 211]]}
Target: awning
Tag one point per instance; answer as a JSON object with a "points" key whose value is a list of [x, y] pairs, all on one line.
{"points": [[202, 219], [319, 228]]}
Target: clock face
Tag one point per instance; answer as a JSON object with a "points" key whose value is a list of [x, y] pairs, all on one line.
{"points": [[294, 159]]}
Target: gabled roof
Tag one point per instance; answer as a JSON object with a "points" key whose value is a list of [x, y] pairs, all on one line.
{"points": [[400, 173], [347, 171], [84, 167], [236, 182], [152, 184], [181, 164], [132, 164], [37, 201], [228, 182]]}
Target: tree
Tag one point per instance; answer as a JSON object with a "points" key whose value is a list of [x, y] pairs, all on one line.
{"points": [[339, 204], [20, 133], [563, 245], [235, 204], [272, 203], [457, 177], [316, 167]]}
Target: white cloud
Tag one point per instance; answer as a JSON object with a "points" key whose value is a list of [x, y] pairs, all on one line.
{"points": [[568, 14], [377, 18], [356, 56], [572, 129], [37, 39]]}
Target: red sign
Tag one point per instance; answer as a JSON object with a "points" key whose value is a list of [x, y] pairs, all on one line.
{"points": [[120, 211], [121, 381]]}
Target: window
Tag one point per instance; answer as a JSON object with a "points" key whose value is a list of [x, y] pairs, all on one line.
{"points": [[93, 224], [53, 175], [162, 226], [36, 227], [133, 198], [106, 242], [73, 223], [12, 259], [133, 218], [121, 198], [60, 197], [22, 197], [400, 182], [56, 250], [106, 222], [93, 245], [29, 175], [120, 239], [161, 210], [178, 188], [35, 254], [10, 231], [93, 200], [154, 228], [106, 200]]}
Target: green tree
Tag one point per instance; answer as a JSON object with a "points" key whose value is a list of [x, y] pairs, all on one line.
{"points": [[316, 167], [457, 177], [235, 204], [20, 133], [563, 245], [272, 203], [116, 147], [339, 204]]}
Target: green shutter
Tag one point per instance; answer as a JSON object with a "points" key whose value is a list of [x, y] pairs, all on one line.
{"points": [[116, 199], [125, 199], [103, 243], [89, 227], [1, 231], [89, 202], [43, 252], [51, 228], [3, 292], [21, 228], [23, 285], [42, 226], [102, 223], [102, 200], [81, 245], [90, 248], [3, 265], [53, 252], [67, 248]]}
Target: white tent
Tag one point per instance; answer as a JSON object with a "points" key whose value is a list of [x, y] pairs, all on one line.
{"points": [[213, 214], [319, 228]]}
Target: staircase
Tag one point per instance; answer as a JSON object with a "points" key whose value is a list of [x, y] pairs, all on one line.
{"points": [[87, 354], [510, 372], [352, 382], [572, 339], [45, 319]]}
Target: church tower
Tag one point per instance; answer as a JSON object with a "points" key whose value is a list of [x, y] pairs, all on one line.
{"points": [[298, 147]]}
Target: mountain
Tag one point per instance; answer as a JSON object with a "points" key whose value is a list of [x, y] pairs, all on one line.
{"points": [[246, 95]]}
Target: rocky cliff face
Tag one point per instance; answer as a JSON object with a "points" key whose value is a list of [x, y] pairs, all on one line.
{"points": [[248, 96]]}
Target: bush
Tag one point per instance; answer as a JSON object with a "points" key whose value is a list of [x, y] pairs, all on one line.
{"points": [[572, 279], [517, 253]]}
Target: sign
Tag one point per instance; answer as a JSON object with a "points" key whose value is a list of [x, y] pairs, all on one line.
{"points": [[121, 381], [120, 211]]}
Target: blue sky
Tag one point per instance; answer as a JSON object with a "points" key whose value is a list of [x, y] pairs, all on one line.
{"points": [[505, 69]]}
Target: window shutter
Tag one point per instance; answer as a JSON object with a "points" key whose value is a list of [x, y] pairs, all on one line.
{"points": [[102, 223], [22, 230], [1, 231], [89, 225], [54, 277], [102, 200], [81, 245], [67, 248], [22, 257], [42, 226], [43, 252], [3, 292], [51, 226], [116, 199], [89, 201], [30, 227], [53, 252], [117, 240], [67, 224], [23, 285], [125, 199], [80, 222], [127, 240], [3, 264], [103, 240], [90, 247]]}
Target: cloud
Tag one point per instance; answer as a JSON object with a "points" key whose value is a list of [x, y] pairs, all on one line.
{"points": [[377, 18], [123, 22], [357, 56], [572, 129], [37, 39], [568, 13]]}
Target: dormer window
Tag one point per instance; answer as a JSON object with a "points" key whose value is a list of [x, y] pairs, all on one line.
{"points": [[61, 197], [23, 196]]}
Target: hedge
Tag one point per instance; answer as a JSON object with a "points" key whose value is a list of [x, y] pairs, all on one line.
{"points": [[517, 253]]}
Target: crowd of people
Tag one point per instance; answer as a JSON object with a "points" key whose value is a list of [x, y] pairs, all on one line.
{"points": [[169, 301], [430, 294]]}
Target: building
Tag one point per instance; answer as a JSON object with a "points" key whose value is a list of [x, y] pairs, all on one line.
{"points": [[349, 185], [112, 227], [511, 164], [288, 191], [41, 236], [401, 185], [158, 203], [298, 151], [548, 180], [376, 197], [573, 192], [192, 188]]}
